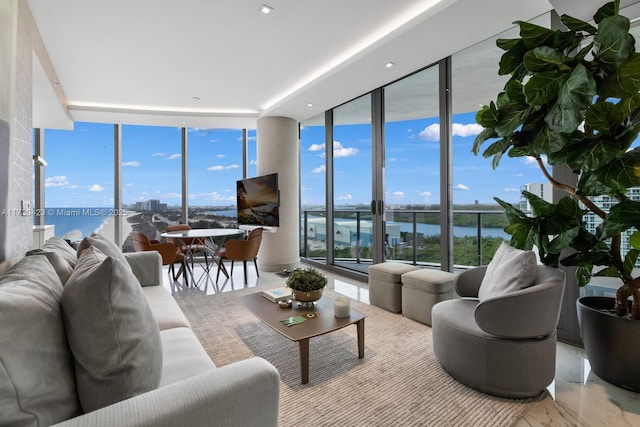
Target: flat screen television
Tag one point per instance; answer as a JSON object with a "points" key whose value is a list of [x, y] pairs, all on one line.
{"points": [[259, 201]]}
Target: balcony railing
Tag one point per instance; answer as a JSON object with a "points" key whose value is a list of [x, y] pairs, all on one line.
{"points": [[412, 236]]}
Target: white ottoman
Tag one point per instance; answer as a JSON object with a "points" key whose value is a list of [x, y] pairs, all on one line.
{"points": [[385, 288], [422, 289]]}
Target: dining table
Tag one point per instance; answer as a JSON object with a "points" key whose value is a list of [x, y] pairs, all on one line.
{"points": [[213, 239]]}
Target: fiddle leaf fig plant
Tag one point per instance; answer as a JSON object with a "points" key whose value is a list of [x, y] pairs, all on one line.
{"points": [[572, 100]]}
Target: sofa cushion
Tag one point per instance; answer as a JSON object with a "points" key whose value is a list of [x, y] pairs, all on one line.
{"points": [[37, 384], [57, 261], [111, 331], [183, 356], [107, 247], [62, 248], [510, 270]]}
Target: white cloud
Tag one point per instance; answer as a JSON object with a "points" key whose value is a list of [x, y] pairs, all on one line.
{"points": [[96, 187], [56, 181], [222, 168], [345, 197], [317, 147], [432, 132], [158, 154], [132, 163], [219, 156], [171, 196], [174, 156], [511, 189], [398, 195], [131, 184], [461, 187], [319, 169], [340, 151]]}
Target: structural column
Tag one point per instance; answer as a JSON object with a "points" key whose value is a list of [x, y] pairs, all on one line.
{"points": [[278, 151]]}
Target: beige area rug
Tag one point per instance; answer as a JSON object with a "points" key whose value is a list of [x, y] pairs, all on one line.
{"points": [[398, 383]]}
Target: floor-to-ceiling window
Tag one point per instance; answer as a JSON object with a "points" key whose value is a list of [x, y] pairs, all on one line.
{"points": [[214, 166], [412, 168], [351, 152], [79, 180], [152, 177], [478, 220], [313, 222]]}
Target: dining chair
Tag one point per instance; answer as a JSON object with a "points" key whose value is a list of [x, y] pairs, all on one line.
{"points": [[242, 250], [169, 252], [190, 247]]}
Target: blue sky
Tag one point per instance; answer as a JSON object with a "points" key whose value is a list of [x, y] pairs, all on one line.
{"points": [[412, 171], [80, 165]]}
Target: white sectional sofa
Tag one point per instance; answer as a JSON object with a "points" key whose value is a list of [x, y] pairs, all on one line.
{"points": [[57, 367]]}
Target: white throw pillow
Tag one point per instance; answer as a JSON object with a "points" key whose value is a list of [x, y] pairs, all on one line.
{"points": [[106, 246], [510, 270], [111, 330]]}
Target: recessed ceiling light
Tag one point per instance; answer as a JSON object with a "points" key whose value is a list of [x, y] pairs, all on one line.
{"points": [[389, 64], [183, 122], [196, 98], [309, 105], [266, 9]]}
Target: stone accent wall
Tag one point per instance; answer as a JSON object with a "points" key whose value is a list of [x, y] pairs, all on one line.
{"points": [[16, 57]]}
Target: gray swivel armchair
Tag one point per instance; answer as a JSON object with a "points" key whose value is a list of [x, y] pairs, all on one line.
{"points": [[504, 345]]}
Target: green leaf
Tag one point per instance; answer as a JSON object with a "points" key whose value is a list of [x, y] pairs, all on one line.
{"points": [[511, 60], [622, 173], [539, 206], [621, 217], [543, 87], [565, 121], [563, 240], [629, 105], [514, 91], [634, 240], [534, 35], [481, 138], [609, 9], [583, 275], [575, 24], [629, 74], [578, 90], [510, 119], [545, 58], [590, 185], [591, 154], [487, 116], [603, 117], [507, 44], [613, 43]]}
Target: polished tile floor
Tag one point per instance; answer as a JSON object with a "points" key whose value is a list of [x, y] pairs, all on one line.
{"points": [[577, 397]]}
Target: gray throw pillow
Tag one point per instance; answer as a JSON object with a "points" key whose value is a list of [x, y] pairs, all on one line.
{"points": [[62, 248], [37, 386], [510, 270], [56, 260], [111, 330], [106, 246]]}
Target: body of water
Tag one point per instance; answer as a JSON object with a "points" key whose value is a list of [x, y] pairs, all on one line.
{"points": [[434, 230], [84, 220]]}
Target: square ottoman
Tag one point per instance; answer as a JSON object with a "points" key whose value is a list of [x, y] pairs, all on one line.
{"points": [[422, 289], [385, 288]]}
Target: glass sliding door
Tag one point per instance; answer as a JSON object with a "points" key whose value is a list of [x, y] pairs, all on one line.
{"points": [[351, 157], [313, 205], [412, 169]]}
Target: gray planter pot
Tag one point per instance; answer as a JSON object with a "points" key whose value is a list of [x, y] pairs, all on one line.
{"points": [[612, 343]]}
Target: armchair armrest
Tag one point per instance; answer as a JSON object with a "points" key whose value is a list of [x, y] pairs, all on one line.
{"points": [[146, 266], [468, 282], [528, 313], [245, 393]]}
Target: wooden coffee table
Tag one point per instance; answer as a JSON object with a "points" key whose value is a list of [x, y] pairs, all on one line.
{"points": [[271, 314]]}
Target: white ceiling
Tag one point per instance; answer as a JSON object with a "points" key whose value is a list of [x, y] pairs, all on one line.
{"points": [[145, 61]]}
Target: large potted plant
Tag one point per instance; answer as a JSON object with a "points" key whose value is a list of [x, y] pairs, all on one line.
{"points": [[307, 285], [573, 99]]}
